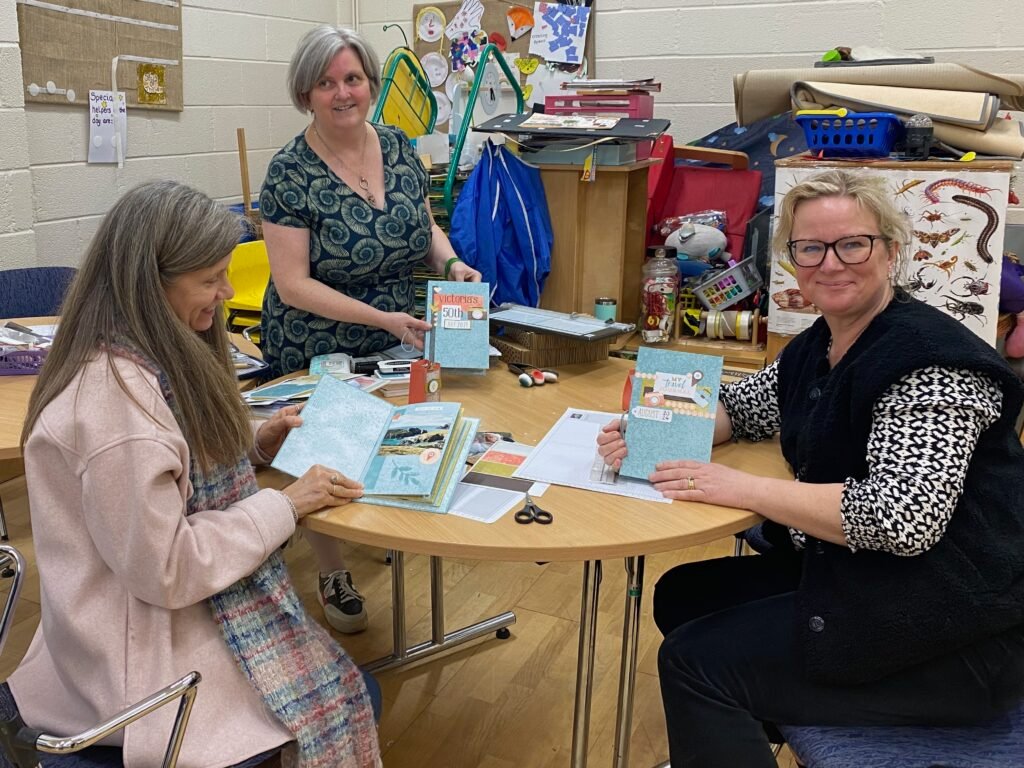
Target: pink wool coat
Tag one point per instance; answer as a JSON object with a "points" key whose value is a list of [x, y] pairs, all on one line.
{"points": [[124, 575]]}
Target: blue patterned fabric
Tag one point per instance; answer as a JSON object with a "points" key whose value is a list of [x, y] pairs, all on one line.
{"points": [[765, 141], [361, 251], [999, 744]]}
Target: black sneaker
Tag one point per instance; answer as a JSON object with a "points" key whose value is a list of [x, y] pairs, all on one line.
{"points": [[343, 605]]}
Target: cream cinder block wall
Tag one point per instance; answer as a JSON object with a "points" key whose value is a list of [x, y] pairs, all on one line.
{"points": [[17, 238], [236, 53], [235, 58]]}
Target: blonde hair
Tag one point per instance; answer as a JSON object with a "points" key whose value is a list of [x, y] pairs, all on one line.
{"points": [[870, 193], [156, 233]]}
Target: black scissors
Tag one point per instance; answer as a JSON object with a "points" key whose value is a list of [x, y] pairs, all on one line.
{"points": [[531, 513]]}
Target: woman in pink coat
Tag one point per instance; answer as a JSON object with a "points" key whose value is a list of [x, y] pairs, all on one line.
{"points": [[157, 552]]}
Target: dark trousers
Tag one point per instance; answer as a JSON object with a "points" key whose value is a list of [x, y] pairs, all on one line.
{"points": [[730, 664]]}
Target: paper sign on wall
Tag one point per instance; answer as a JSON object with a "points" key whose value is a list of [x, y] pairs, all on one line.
{"points": [[105, 121], [559, 31]]}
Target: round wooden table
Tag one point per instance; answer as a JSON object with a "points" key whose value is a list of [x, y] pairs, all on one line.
{"points": [[587, 526]]}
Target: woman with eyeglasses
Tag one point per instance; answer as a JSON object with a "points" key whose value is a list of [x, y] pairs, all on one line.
{"points": [[891, 589]]}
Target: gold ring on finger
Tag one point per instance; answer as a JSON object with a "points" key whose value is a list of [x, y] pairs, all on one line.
{"points": [[690, 484], [335, 480]]}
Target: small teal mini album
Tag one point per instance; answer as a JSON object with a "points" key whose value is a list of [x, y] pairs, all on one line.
{"points": [[459, 338], [672, 409], [404, 456]]}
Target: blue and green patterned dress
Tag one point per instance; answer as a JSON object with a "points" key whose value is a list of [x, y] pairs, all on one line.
{"points": [[363, 252]]}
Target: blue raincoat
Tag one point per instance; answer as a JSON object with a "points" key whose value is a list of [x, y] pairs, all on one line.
{"points": [[501, 227]]}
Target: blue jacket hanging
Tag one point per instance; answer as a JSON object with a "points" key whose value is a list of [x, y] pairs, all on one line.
{"points": [[501, 227]]}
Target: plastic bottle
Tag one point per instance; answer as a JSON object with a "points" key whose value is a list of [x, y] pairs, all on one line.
{"points": [[658, 294]]}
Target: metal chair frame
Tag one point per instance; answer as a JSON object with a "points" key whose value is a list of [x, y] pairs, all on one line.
{"points": [[25, 746]]}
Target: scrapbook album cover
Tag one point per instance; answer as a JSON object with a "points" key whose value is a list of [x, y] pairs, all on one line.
{"points": [[407, 453], [460, 328], [672, 409]]}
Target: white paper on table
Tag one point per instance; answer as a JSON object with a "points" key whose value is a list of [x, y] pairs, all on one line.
{"points": [[104, 121], [483, 504], [44, 330], [568, 456]]}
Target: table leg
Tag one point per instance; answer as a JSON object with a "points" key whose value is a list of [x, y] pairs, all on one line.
{"points": [[627, 670], [585, 663], [401, 654]]}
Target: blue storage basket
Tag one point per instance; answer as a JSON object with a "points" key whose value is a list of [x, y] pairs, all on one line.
{"points": [[856, 134]]}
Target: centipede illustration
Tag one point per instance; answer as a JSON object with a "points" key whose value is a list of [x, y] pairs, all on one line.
{"points": [[931, 192], [992, 221], [907, 186]]}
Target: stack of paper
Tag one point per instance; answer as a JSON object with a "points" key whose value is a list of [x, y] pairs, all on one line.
{"points": [[646, 85], [410, 456], [392, 384]]}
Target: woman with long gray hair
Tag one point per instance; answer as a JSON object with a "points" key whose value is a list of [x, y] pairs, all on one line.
{"points": [[157, 552]]}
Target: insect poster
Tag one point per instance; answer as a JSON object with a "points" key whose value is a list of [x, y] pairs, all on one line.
{"points": [[954, 258]]}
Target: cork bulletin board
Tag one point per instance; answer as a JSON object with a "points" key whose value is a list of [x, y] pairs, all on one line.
{"points": [[68, 46], [509, 25]]}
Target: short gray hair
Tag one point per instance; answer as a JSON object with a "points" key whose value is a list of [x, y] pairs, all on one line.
{"points": [[313, 55]]}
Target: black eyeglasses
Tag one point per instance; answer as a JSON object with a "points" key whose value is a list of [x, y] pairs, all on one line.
{"points": [[854, 249]]}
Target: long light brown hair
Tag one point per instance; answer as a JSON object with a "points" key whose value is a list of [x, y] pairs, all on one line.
{"points": [[153, 235]]}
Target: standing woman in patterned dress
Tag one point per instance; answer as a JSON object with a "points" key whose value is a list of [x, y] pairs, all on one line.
{"points": [[346, 218], [346, 221], [893, 593]]}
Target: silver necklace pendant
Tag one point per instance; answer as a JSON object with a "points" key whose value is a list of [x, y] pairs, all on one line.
{"points": [[365, 186]]}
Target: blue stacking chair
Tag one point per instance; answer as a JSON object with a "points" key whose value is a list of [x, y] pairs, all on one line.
{"points": [[31, 292], [34, 291], [998, 744]]}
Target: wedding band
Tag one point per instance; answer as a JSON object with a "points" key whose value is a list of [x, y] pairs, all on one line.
{"points": [[335, 480], [690, 485]]}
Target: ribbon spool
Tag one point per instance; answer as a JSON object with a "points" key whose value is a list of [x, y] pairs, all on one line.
{"points": [[729, 324]]}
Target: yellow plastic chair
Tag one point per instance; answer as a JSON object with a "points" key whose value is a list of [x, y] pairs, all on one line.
{"points": [[406, 100], [248, 273]]}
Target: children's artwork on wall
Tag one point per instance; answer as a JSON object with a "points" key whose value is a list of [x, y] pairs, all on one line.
{"points": [[430, 23], [152, 84], [954, 260], [559, 32], [466, 49], [515, 24], [444, 107], [520, 21], [435, 66], [545, 81], [466, 20]]}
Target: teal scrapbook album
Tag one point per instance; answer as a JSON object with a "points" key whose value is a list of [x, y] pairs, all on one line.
{"points": [[672, 409], [405, 456], [460, 328]]}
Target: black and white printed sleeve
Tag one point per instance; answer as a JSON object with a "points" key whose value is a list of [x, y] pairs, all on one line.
{"points": [[924, 430], [753, 404]]}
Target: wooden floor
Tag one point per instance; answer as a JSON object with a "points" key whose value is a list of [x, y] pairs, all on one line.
{"points": [[493, 704]]}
